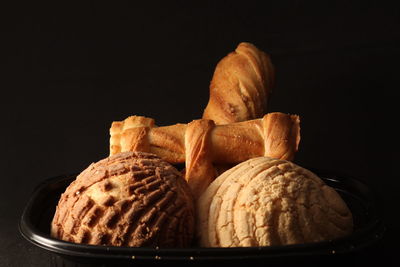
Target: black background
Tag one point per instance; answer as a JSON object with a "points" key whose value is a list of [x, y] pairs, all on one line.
{"points": [[69, 71]]}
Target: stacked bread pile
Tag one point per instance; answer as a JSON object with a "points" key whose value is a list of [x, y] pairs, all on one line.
{"points": [[238, 187]]}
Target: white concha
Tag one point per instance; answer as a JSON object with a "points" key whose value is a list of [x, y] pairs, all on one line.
{"points": [[264, 202]]}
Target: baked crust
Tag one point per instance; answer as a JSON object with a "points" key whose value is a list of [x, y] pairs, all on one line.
{"points": [[201, 143], [129, 199], [266, 202], [241, 85]]}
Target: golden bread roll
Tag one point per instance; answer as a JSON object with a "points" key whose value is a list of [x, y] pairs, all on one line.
{"points": [[240, 86], [201, 143], [129, 199], [266, 202]]}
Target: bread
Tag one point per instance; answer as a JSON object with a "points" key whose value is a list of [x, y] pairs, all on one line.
{"points": [[240, 89], [268, 202], [129, 199], [241, 85], [201, 143]]}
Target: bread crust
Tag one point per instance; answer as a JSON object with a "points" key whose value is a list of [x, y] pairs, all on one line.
{"points": [[241, 85], [129, 199], [270, 202], [201, 143]]}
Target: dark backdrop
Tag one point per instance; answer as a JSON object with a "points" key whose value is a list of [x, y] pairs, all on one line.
{"points": [[69, 71]]}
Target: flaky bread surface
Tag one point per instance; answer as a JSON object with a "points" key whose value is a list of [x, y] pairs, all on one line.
{"points": [[201, 143], [241, 85]]}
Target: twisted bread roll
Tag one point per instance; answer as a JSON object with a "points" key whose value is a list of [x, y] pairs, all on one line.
{"points": [[243, 73], [201, 143], [240, 86]]}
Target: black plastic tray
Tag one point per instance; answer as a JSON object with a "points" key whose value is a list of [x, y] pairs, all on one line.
{"points": [[37, 215]]}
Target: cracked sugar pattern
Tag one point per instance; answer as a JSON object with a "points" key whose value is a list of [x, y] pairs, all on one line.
{"points": [[130, 199], [265, 201]]}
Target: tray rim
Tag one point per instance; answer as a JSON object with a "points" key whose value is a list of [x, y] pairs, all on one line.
{"points": [[375, 228]]}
